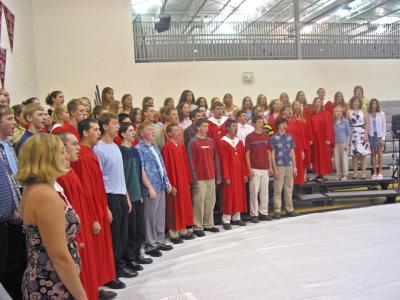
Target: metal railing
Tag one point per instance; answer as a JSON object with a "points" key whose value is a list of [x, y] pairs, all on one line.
{"points": [[200, 41]]}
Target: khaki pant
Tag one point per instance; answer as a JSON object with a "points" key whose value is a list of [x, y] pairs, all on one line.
{"points": [[259, 186], [203, 195], [174, 234], [284, 181], [226, 219], [341, 160]]}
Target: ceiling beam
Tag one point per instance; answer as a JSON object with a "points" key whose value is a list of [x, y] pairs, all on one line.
{"points": [[330, 8], [230, 14], [195, 15], [220, 11], [164, 4]]}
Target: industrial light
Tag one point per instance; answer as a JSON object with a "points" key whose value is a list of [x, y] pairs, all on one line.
{"points": [[144, 6], [381, 29], [307, 29]]}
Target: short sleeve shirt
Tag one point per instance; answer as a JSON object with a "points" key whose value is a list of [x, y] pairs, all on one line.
{"points": [[283, 146]]}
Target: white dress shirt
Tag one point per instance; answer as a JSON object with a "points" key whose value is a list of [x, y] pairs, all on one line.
{"points": [[243, 131]]}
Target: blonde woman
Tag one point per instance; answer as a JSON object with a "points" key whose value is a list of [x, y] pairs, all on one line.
{"points": [[262, 103], [284, 98], [339, 101], [359, 93], [49, 222], [60, 116], [116, 107]]}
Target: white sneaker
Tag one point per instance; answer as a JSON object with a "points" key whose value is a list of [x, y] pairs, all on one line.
{"points": [[374, 177]]}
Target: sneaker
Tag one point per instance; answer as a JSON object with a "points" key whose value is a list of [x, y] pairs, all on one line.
{"points": [[165, 247], [239, 223], [188, 236], [254, 219], [374, 176], [116, 284], [105, 295], [277, 216], [227, 226], [199, 233], [127, 273], [292, 213], [177, 240], [265, 217], [143, 260], [212, 229], [134, 266], [154, 253]]}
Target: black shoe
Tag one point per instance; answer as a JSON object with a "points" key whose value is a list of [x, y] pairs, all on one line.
{"points": [[116, 284], [239, 223], [212, 229], [165, 247], [254, 219], [199, 233], [292, 214], [177, 240], [143, 260], [154, 253], [105, 295], [277, 216], [131, 265], [187, 236], [127, 273], [227, 226], [265, 217], [245, 217]]}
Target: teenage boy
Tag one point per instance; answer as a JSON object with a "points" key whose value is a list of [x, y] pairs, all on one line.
{"points": [[155, 183], [205, 170], [112, 166], [77, 111], [134, 182], [244, 128], [35, 118], [191, 131], [217, 123], [171, 116], [283, 162], [179, 201], [149, 113], [234, 175], [258, 158]]}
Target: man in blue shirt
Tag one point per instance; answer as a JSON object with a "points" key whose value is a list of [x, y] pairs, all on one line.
{"points": [[155, 183], [284, 167]]}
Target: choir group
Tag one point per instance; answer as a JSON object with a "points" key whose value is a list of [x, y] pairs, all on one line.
{"points": [[84, 191]]}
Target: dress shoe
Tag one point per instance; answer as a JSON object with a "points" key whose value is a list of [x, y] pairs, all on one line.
{"points": [[239, 223], [187, 236], [277, 216], [165, 247], [265, 217], [143, 260], [292, 213], [131, 265], [127, 273], [254, 219], [154, 253], [227, 226], [212, 229], [105, 295], [116, 284], [177, 240], [199, 233]]}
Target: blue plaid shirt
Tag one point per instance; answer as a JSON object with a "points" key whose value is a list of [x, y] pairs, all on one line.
{"points": [[155, 172], [283, 146]]}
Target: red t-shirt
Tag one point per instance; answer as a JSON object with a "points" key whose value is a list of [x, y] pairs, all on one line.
{"points": [[258, 145]]}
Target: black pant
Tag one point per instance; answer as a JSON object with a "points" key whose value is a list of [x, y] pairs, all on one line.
{"points": [[119, 227], [135, 231], [3, 249], [16, 260]]}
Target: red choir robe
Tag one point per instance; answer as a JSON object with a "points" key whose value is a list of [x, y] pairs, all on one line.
{"points": [[74, 192], [234, 168], [166, 137], [67, 128], [308, 134], [322, 130], [296, 130], [271, 121], [179, 208], [329, 107], [88, 170], [217, 128]]}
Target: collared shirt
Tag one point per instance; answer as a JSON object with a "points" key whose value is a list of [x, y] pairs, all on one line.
{"points": [[243, 131], [282, 144], [342, 131], [15, 187], [153, 165], [22, 140]]}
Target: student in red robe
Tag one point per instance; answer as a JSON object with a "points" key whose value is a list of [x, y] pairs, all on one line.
{"points": [[234, 174], [171, 117], [77, 112], [275, 112], [73, 190], [323, 139], [328, 105], [88, 170], [296, 130], [179, 201], [217, 123]]}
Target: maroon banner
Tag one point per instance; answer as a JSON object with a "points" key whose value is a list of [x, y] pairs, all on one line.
{"points": [[3, 56], [10, 21]]}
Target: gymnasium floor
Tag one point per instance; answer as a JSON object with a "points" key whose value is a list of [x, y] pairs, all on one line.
{"points": [[343, 254]]}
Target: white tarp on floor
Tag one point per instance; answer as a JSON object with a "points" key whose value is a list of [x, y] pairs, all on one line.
{"points": [[349, 254]]}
